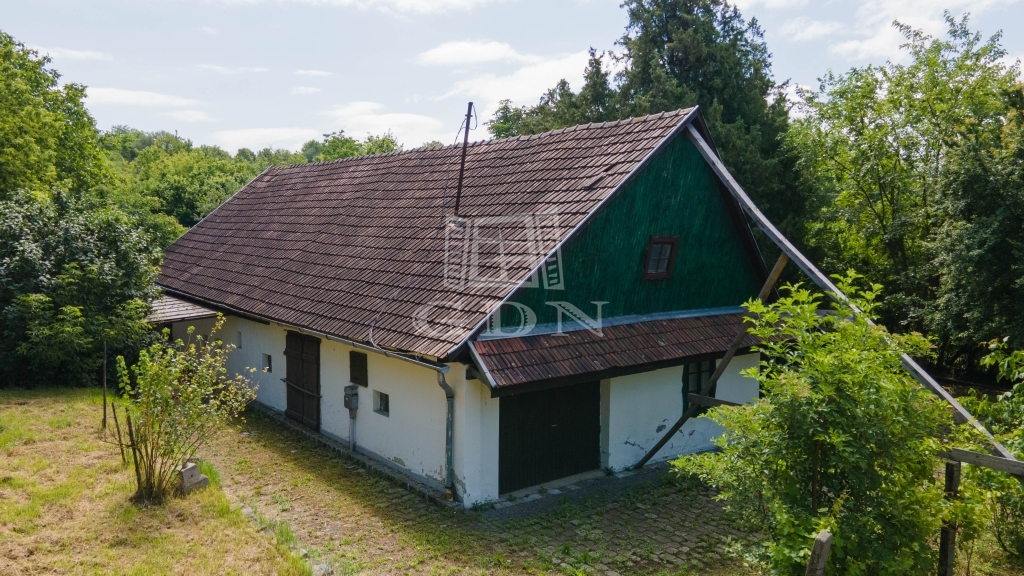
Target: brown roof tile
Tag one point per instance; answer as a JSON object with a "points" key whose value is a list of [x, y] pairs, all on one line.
{"points": [[514, 361], [345, 246]]}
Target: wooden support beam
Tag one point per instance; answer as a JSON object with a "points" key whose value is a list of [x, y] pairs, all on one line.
{"points": [[819, 554], [961, 415], [708, 402], [947, 537], [1012, 467], [737, 343]]}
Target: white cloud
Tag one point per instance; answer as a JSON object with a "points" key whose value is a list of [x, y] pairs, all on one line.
{"points": [[259, 138], [525, 85], [420, 6], [69, 54], [746, 5], [237, 70], [313, 73], [361, 118], [879, 39], [305, 90], [189, 116], [136, 98], [806, 29], [466, 53], [209, 30]]}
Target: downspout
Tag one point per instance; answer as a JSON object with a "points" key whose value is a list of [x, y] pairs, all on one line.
{"points": [[449, 437]]}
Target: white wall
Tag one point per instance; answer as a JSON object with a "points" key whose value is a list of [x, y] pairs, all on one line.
{"points": [[640, 407], [410, 438], [476, 438]]}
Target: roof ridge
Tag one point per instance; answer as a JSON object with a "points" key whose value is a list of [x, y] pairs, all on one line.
{"points": [[588, 126]]}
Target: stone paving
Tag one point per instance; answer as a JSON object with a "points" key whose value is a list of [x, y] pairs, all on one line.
{"points": [[358, 518], [633, 522]]}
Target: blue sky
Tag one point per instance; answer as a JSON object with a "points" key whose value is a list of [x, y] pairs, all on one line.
{"points": [[261, 73]]}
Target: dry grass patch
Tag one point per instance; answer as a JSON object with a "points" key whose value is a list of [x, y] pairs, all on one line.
{"points": [[64, 503]]}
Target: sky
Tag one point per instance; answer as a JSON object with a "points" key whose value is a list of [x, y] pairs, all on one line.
{"points": [[257, 73]]}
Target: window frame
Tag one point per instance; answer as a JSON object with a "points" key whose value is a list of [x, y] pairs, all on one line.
{"points": [[673, 244], [703, 368], [268, 363], [382, 403], [358, 360]]}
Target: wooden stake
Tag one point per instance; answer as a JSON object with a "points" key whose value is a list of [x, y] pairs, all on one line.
{"points": [[947, 537], [104, 384], [819, 554], [120, 440]]}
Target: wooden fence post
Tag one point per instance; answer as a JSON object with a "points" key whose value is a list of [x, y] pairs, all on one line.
{"points": [[947, 537], [819, 554]]}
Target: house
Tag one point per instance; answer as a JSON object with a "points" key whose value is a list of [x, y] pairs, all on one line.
{"points": [[552, 324]]}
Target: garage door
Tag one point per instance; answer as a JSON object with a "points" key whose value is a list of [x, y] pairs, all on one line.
{"points": [[550, 434]]}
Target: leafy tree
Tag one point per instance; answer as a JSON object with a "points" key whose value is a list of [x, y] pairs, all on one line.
{"points": [[46, 134], [175, 398], [980, 245], [337, 145], [876, 141], [842, 438], [76, 273], [381, 144]]}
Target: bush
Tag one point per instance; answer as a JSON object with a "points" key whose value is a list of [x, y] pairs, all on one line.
{"points": [[1004, 417], [175, 397], [842, 439]]}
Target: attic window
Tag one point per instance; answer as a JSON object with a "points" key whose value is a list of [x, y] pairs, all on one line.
{"points": [[358, 373], [661, 253]]}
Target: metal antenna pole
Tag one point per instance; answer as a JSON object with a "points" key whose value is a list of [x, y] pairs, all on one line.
{"points": [[462, 167]]}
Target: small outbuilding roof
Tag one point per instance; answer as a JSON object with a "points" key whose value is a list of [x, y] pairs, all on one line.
{"points": [[362, 248], [170, 309], [621, 349]]}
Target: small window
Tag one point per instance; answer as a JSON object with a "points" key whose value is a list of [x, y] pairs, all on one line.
{"points": [[696, 375], [268, 363], [381, 403], [238, 339], [357, 368], [661, 253]]}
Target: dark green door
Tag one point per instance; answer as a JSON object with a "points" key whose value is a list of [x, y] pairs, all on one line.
{"points": [[302, 378], [550, 434]]}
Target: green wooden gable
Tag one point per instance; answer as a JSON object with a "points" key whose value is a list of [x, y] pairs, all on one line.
{"points": [[676, 194]]}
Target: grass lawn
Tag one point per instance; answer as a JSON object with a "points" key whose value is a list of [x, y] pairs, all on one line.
{"points": [[278, 498], [64, 503]]}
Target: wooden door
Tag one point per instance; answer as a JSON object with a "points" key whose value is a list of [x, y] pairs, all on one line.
{"points": [[550, 434], [302, 378]]}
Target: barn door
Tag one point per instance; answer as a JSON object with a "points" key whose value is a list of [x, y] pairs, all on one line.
{"points": [[302, 378], [546, 435]]}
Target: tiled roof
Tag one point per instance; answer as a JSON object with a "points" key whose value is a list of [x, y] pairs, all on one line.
{"points": [[340, 247], [170, 309], [513, 361]]}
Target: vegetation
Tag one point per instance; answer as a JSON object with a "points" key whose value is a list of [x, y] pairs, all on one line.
{"points": [[899, 150], [843, 438], [63, 488], [998, 494], [175, 398]]}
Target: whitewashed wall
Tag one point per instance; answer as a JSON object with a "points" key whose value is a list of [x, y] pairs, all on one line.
{"points": [[476, 438], [637, 409], [411, 438]]}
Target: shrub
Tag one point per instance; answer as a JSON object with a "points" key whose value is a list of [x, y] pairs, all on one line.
{"points": [[175, 398], [842, 439]]}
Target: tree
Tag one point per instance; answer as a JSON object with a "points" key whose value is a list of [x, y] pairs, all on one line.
{"points": [[876, 140], [174, 398], [842, 438], [337, 145], [46, 134], [980, 245], [677, 54], [76, 273]]}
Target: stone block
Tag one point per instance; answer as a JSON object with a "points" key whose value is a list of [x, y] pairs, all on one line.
{"points": [[191, 479]]}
